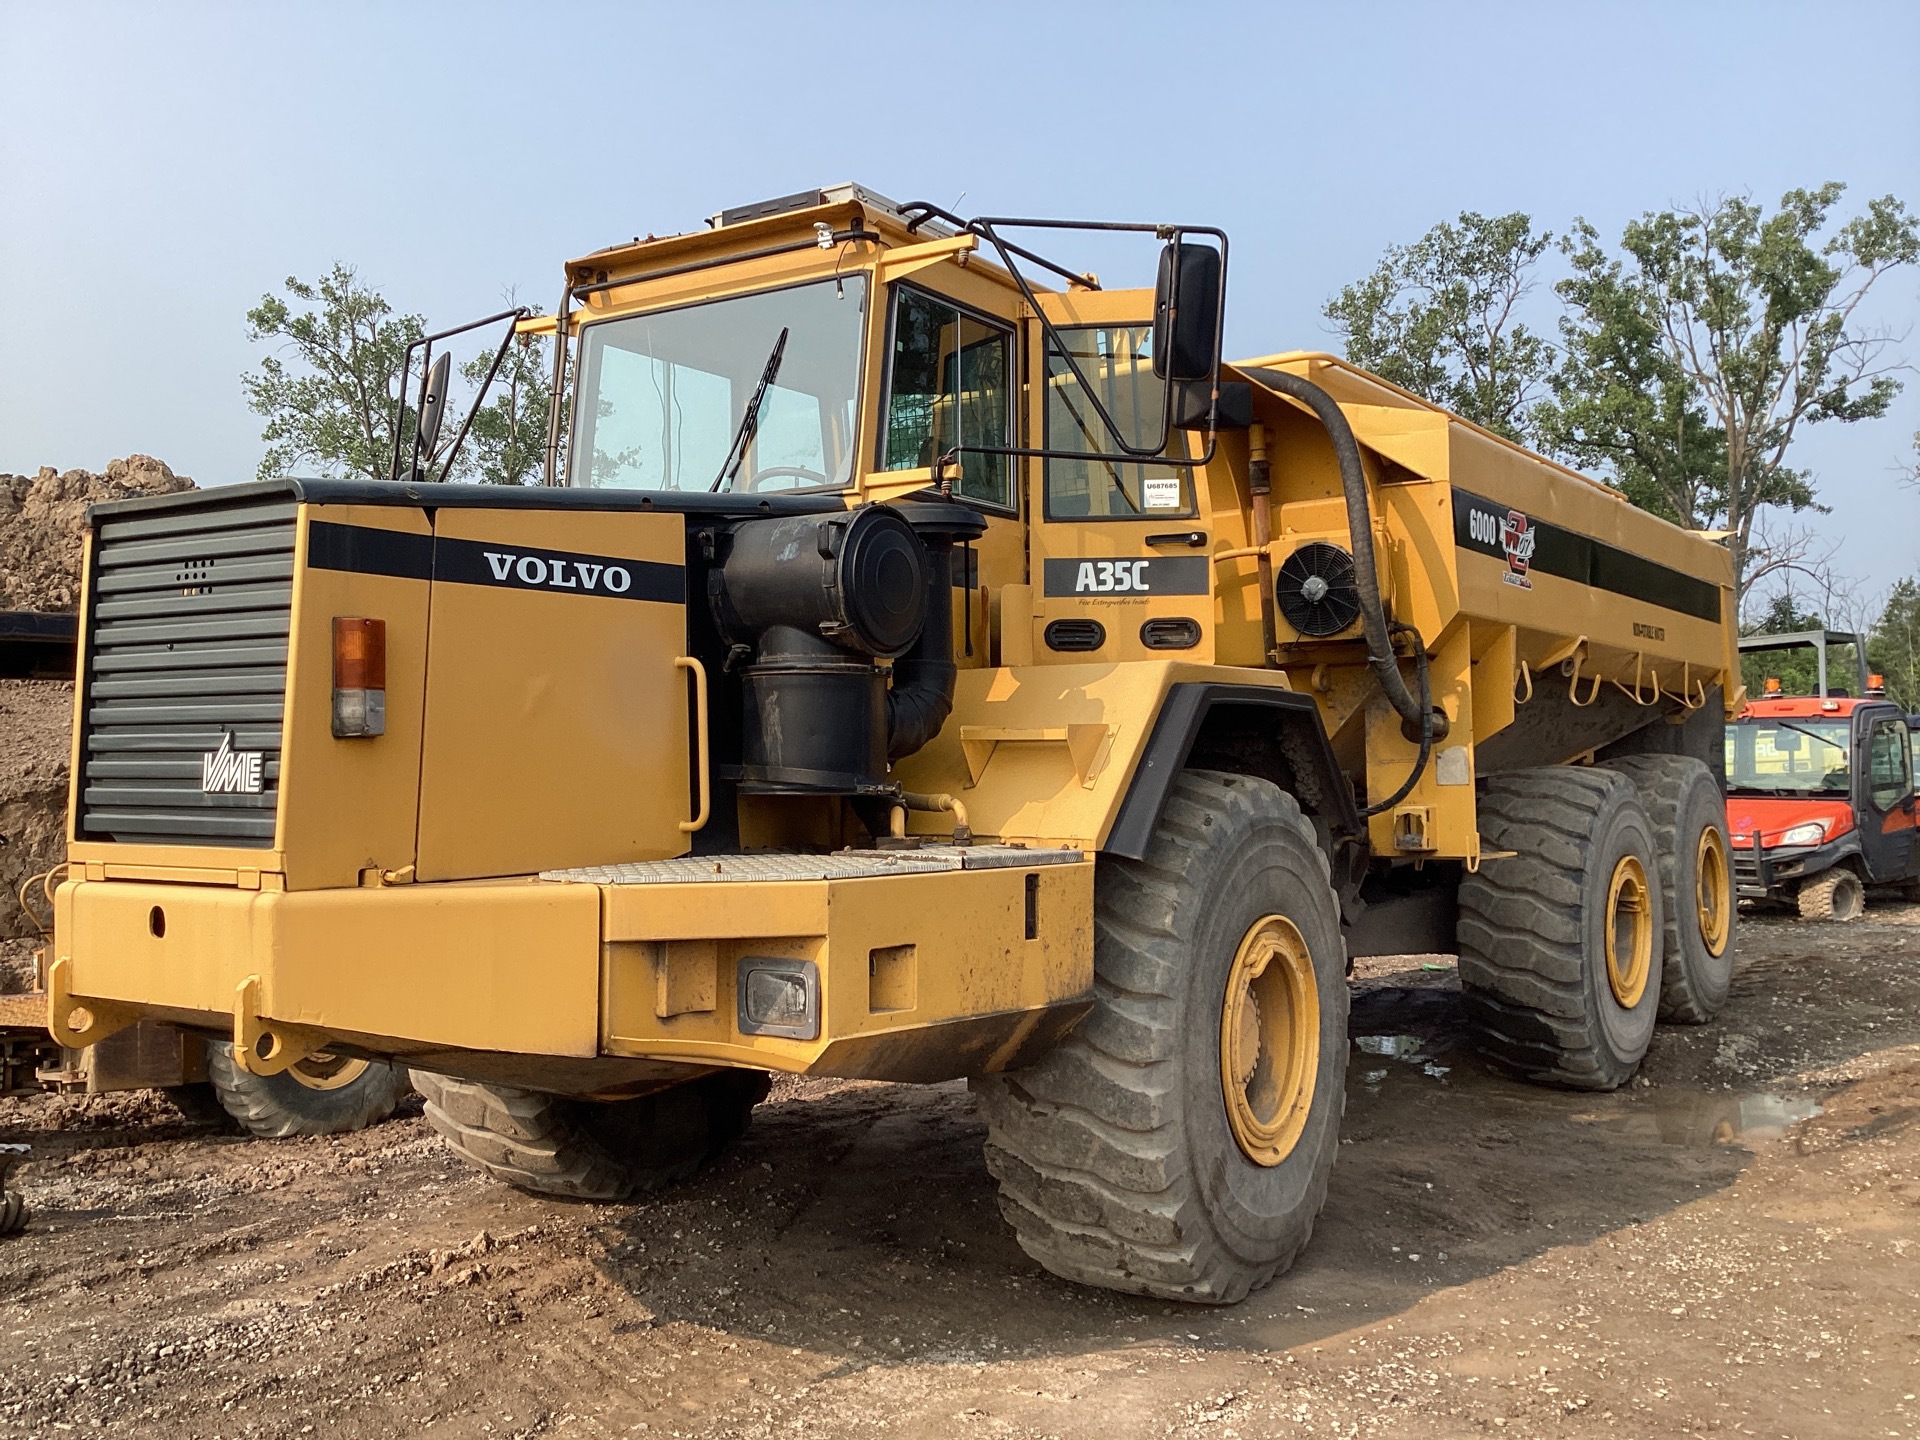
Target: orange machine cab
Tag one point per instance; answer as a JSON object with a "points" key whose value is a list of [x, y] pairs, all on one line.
{"points": [[1813, 783]]}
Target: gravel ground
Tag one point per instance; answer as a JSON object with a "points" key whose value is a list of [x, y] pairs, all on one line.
{"points": [[1730, 1247]]}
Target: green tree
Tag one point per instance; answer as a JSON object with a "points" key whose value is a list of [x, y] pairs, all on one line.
{"points": [[1798, 671], [507, 444], [1695, 357], [332, 404], [1439, 317], [1893, 649]]}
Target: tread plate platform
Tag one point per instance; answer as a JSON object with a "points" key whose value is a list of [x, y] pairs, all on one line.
{"points": [[841, 865]]}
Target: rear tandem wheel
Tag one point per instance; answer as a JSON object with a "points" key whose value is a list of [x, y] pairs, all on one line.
{"points": [[1560, 942], [1689, 816]]}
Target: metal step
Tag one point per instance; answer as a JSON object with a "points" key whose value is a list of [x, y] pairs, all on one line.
{"points": [[841, 865]]}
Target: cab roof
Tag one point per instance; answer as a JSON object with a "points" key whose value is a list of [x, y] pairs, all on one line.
{"points": [[742, 228], [1802, 707]]}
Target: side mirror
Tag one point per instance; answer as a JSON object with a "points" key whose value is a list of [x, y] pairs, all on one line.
{"points": [[433, 404], [1186, 313]]}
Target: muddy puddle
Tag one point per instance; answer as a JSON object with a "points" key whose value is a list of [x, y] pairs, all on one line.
{"points": [[1667, 1115], [1420, 1036]]}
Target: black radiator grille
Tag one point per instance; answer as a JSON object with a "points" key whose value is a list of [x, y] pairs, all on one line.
{"points": [[188, 625]]}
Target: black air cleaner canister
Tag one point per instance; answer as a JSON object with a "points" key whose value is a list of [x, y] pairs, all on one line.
{"points": [[819, 599]]}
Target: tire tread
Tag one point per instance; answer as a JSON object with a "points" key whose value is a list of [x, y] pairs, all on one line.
{"points": [[273, 1107], [549, 1144], [1663, 782], [1087, 1146], [1522, 927]]}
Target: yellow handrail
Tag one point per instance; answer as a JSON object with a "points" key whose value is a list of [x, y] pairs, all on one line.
{"points": [[687, 662]]}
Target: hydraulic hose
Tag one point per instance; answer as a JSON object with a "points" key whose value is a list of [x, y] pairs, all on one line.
{"points": [[1418, 719], [1426, 730], [924, 677]]}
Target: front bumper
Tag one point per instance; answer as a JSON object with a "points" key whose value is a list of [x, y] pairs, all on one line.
{"points": [[1761, 874], [509, 967], [562, 984]]}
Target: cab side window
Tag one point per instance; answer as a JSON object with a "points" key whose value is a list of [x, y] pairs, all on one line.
{"points": [[950, 384], [1888, 776], [1117, 364]]}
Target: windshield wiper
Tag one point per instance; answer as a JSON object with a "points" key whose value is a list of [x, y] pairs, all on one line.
{"points": [[1813, 734], [750, 420]]}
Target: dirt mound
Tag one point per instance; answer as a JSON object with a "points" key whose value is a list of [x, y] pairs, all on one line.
{"points": [[43, 518], [36, 728]]}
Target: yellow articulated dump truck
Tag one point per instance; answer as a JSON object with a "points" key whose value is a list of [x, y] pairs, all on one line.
{"points": [[918, 663]]}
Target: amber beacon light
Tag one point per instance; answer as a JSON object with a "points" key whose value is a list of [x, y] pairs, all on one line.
{"points": [[359, 677]]}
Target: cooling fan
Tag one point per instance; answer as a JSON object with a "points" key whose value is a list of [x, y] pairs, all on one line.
{"points": [[1317, 590]]}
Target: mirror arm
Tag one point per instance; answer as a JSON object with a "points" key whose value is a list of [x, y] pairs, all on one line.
{"points": [[985, 229], [452, 452], [556, 391], [406, 369], [922, 211]]}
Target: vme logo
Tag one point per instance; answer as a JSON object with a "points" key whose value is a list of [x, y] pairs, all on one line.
{"points": [[558, 574], [227, 771]]}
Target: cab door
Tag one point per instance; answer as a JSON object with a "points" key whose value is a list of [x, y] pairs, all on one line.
{"points": [[1121, 566], [1887, 806]]}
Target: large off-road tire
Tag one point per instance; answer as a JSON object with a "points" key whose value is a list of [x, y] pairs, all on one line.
{"points": [[14, 1213], [1689, 816], [322, 1095], [1551, 997], [1133, 1156], [1835, 894], [586, 1149]]}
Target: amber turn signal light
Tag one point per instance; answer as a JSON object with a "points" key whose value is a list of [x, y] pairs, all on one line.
{"points": [[359, 677]]}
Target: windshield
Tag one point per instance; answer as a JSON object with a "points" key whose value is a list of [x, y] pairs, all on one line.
{"points": [[1788, 757], [662, 395]]}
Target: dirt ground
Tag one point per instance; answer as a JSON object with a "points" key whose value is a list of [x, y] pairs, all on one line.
{"points": [[1679, 1259]]}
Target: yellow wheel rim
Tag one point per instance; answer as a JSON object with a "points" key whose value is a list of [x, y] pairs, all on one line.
{"points": [[1713, 891], [323, 1070], [1270, 1040], [1629, 931]]}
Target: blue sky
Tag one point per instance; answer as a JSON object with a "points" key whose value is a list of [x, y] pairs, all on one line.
{"points": [[163, 165]]}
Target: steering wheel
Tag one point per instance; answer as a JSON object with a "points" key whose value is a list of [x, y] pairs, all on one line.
{"points": [[798, 472]]}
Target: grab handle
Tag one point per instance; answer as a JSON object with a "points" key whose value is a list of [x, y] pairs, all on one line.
{"points": [[687, 662]]}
